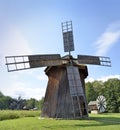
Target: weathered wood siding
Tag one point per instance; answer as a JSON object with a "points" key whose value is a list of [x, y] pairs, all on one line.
{"points": [[58, 101]]}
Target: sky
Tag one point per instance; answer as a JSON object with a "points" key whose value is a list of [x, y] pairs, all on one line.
{"points": [[34, 27]]}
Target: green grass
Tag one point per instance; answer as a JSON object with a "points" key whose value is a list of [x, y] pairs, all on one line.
{"points": [[9, 114], [95, 122]]}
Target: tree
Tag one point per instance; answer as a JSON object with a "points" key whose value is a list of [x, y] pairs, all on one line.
{"points": [[110, 89], [5, 102], [1, 94], [112, 93], [99, 87], [41, 103], [30, 104], [90, 92]]}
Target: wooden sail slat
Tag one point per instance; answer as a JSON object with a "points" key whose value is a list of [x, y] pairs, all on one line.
{"points": [[94, 60]]}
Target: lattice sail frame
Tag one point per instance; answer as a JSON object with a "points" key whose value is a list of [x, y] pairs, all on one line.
{"points": [[94, 60], [68, 41], [15, 63]]}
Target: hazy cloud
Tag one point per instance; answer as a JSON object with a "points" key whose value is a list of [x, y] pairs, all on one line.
{"points": [[108, 38], [14, 43], [104, 78], [42, 77], [24, 90]]}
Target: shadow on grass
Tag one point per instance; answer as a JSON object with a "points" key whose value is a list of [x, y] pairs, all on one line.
{"points": [[102, 121], [91, 122]]}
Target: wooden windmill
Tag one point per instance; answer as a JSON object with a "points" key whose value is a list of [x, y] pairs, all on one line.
{"points": [[65, 94]]}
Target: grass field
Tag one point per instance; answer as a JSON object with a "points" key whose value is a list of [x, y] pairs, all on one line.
{"points": [[27, 121]]}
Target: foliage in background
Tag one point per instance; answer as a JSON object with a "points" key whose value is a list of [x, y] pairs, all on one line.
{"points": [[7, 102], [110, 89]]}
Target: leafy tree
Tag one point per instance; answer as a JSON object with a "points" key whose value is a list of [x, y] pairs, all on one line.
{"points": [[1, 94], [99, 87], [112, 93], [110, 89], [5, 102], [13, 104], [41, 103], [30, 104], [90, 92]]}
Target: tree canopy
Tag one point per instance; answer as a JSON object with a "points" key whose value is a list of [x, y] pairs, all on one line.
{"points": [[7, 102], [110, 89]]}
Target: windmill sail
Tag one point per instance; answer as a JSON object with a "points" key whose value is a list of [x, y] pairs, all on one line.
{"points": [[44, 60], [68, 36], [101, 103], [94, 60], [15, 63]]}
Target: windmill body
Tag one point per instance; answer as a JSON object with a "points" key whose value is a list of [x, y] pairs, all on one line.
{"points": [[65, 94]]}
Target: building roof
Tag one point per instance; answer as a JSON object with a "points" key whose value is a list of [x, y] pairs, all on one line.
{"points": [[92, 103]]}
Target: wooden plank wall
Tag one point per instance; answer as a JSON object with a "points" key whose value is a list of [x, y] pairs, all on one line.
{"points": [[58, 101]]}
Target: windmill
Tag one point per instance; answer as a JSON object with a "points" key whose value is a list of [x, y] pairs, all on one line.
{"points": [[65, 94], [101, 103]]}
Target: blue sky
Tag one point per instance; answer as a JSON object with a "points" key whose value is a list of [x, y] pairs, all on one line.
{"points": [[34, 27]]}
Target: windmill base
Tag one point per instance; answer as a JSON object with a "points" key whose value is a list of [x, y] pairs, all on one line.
{"points": [[58, 101]]}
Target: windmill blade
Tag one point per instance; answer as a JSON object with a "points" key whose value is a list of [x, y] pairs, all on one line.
{"points": [[15, 63], [68, 41], [44, 60], [94, 60], [101, 108]]}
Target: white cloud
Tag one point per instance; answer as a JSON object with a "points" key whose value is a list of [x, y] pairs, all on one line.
{"points": [[90, 79], [104, 78], [24, 90], [108, 38]]}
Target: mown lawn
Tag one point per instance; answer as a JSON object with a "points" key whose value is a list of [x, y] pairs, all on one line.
{"points": [[95, 122]]}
